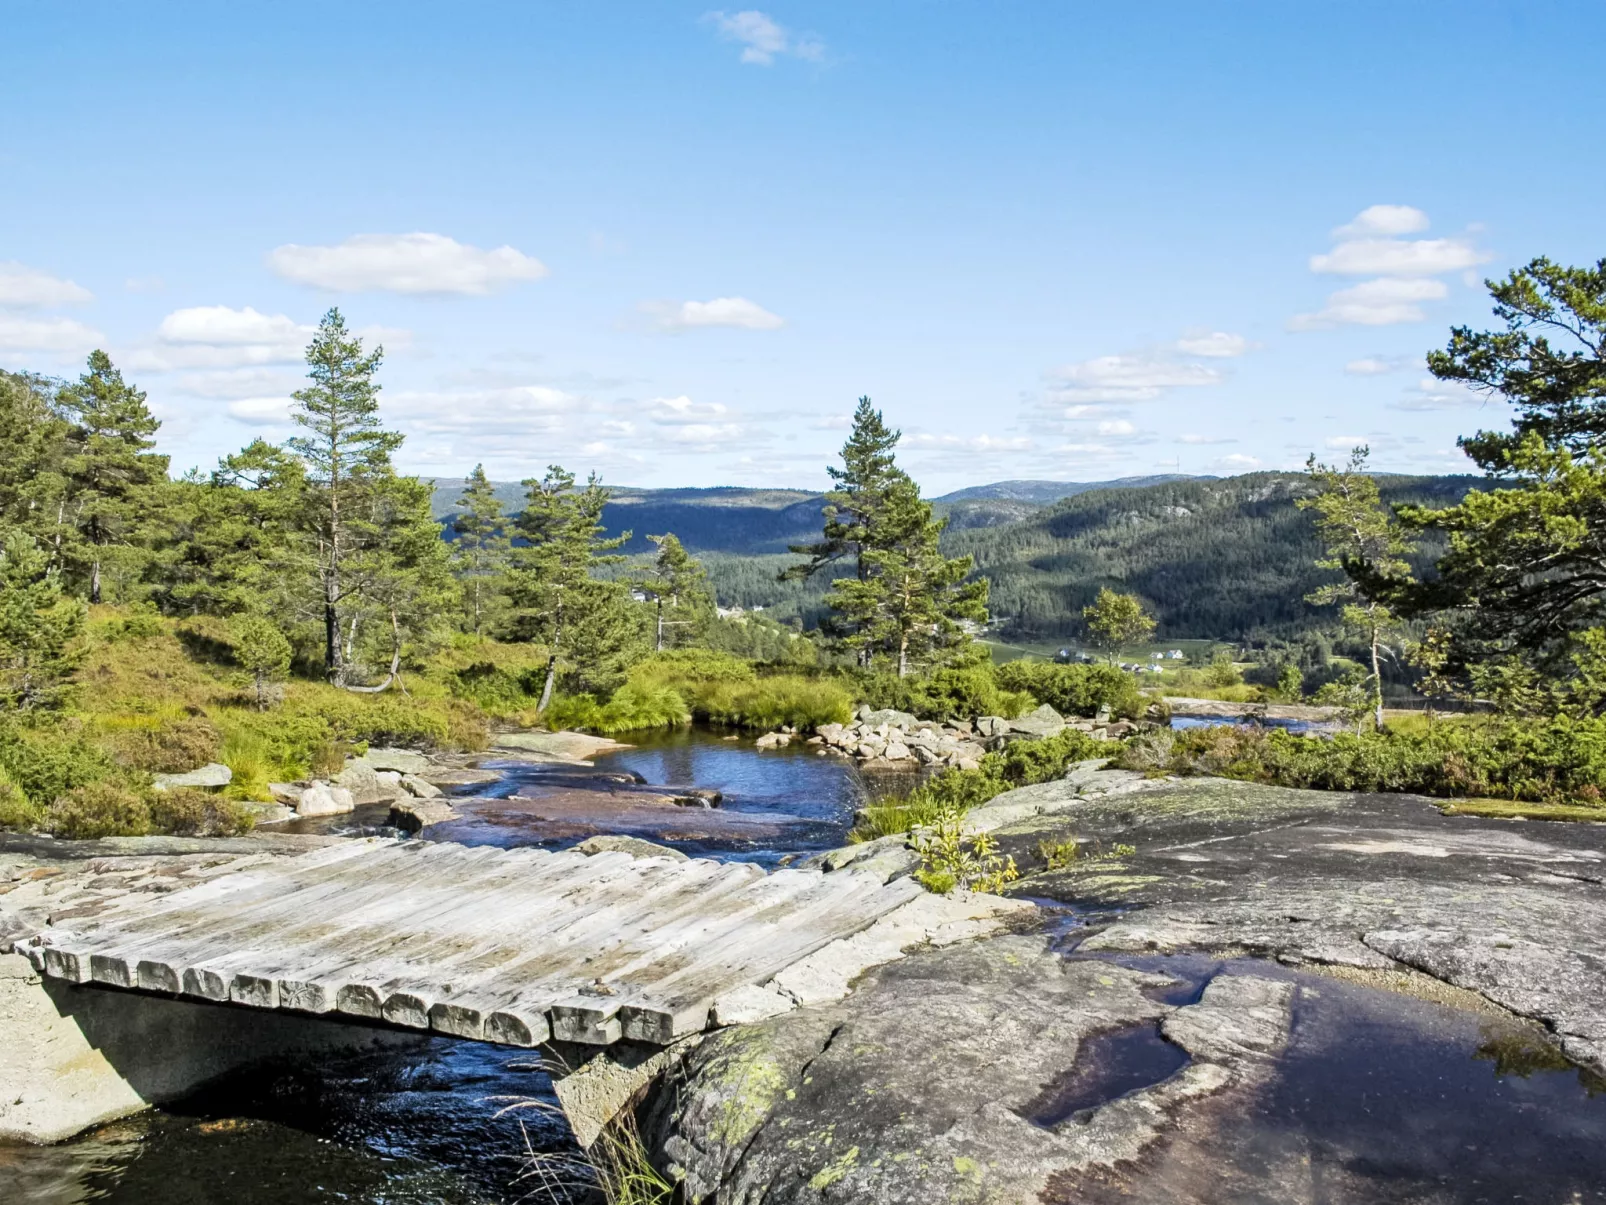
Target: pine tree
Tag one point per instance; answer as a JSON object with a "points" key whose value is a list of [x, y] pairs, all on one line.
{"points": [[868, 471], [261, 650], [112, 476], [589, 627], [908, 602], [39, 628], [34, 438], [679, 584], [345, 450], [1365, 542], [482, 544]]}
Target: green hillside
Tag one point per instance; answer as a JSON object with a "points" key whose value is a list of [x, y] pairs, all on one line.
{"points": [[1214, 559]]}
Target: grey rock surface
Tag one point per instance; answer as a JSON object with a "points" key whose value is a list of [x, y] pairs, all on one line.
{"points": [[324, 799], [636, 847], [415, 815], [213, 774], [403, 761], [922, 1086], [1512, 910]]}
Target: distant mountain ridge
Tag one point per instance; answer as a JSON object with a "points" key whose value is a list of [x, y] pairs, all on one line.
{"points": [[1046, 493], [750, 521]]}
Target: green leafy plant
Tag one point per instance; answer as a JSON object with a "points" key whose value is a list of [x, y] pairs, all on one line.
{"points": [[1058, 855], [950, 859]]}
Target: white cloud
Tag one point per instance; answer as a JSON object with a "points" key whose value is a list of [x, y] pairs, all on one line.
{"points": [[218, 325], [673, 411], [1343, 443], [1374, 366], [22, 287], [762, 39], [1382, 302], [1236, 462], [262, 411], [1116, 429], [57, 336], [1205, 439], [1136, 377], [1384, 220], [675, 316], [405, 263], [1216, 345], [1398, 257], [969, 443]]}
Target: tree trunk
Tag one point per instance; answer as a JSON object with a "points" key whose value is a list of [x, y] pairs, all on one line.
{"points": [[903, 656], [94, 581], [395, 659], [551, 664], [1377, 685], [658, 646]]}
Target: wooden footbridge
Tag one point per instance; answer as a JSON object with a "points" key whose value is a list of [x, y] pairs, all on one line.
{"points": [[509, 946]]}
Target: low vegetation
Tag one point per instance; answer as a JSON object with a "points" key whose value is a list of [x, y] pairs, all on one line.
{"points": [[1560, 761]]}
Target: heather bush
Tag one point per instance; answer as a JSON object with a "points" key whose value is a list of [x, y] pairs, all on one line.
{"points": [[1076, 689]]}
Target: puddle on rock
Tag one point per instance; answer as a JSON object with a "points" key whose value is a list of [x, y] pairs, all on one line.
{"points": [[1108, 1066], [1379, 1097]]}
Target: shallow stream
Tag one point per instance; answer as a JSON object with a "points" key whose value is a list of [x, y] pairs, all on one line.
{"points": [[1382, 1096]]}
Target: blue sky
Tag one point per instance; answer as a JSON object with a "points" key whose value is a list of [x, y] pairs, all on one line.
{"points": [[671, 244]]}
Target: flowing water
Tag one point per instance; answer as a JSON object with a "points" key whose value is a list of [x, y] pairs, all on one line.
{"points": [[1407, 1099]]}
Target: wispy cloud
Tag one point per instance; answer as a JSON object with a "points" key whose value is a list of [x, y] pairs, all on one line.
{"points": [[25, 288], [417, 263], [1403, 269], [763, 39], [49, 336], [676, 316], [1374, 366]]}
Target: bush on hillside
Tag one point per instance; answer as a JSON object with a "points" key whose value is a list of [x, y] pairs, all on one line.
{"points": [[163, 740], [192, 813], [99, 809], [632, 708], [1076, 689], [960, 692], [1535, 761], [47, 761], [773, 702]]}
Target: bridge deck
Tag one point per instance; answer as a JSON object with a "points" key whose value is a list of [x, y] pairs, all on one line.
{"points": [[508, 946]]}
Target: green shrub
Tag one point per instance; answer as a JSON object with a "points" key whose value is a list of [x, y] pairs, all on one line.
{"points": [[784, 699], [99, 809], [959, 692], [17, 811], [1019, 764], [161, 740], [1532, 760], [633, 708], [1076, 689], [678, 666], [188, 812], [47, 761], [499, 690]]}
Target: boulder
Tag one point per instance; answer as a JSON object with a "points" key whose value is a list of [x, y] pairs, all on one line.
{"points": [[698, 797], [324, 799], [989, 726], [266, 813], [636, 847], [831, 732], [403, 761], [363, 781], [773, 740], [892, 718], [287, 793], [896, 751], [213, 774], [555, 746], [449, 776], [418, 788], [389, 778], [1045, 721], [415, 815]]}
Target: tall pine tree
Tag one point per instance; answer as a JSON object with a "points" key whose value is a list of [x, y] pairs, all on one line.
{"points": [[481, 545], [590, 627], [112, 477], [345, 450], [678, 588]]}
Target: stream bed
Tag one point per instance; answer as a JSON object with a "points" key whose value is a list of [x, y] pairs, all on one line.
{"points": [[1384, 1097]]}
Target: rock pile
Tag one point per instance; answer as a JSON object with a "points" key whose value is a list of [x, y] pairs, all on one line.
{"points": [[897, 736]]}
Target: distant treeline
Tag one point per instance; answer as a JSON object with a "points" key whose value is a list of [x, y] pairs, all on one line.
{"points": [[1227, 560]]}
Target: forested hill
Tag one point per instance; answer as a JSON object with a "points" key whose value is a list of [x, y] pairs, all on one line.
{"points": [[1044, 493], [754, 522], [1221, 559]]}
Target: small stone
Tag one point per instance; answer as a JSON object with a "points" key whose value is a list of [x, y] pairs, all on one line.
{"points": [[213, 774], [896, 751], [288, 793], [418, 788], [403, 761], [634, 846], [415, 815], [747, 1005], [324, 799]]}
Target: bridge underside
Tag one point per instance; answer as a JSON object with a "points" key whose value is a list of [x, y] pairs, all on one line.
{"points": [[517, 947]]}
